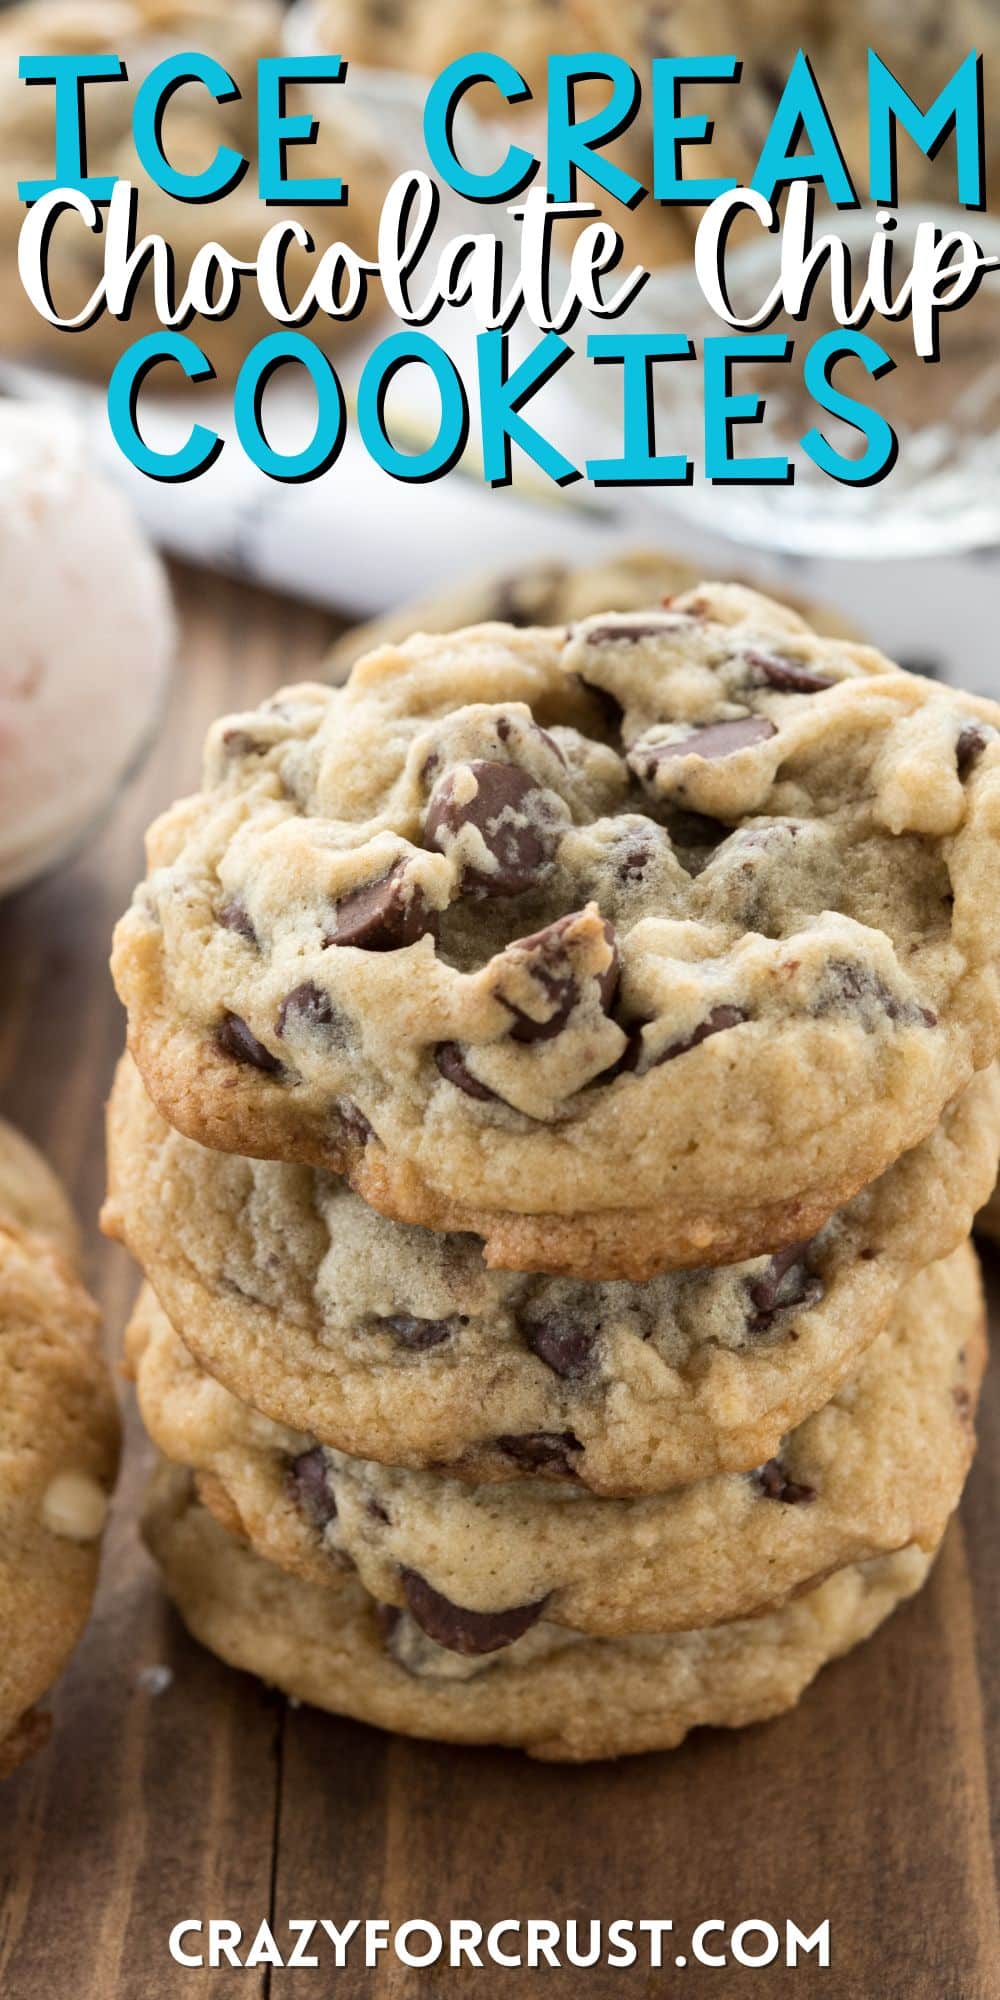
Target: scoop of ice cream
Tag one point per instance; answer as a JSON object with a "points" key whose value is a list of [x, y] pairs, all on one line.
{"points": [[86, 638]]}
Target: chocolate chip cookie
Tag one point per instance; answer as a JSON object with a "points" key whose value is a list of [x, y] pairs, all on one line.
{"points": [[552, 1692], [637, 946], [30, 1195], [394, 1343], [58, 1456], [550, 593], [880, 1468]]}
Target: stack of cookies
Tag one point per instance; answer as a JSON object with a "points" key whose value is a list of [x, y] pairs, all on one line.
{"points": [[560, 1089]]}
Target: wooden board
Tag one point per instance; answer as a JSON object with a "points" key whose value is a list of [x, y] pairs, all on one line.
{"points": [[869, 1806]]}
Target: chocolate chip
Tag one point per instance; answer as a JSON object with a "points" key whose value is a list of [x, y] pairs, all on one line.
{"points": [[785, 1281], [542, 1451], [519, 845], [307, 1484], [560, 992], [307, 1004], [789, 676], [848, 981], [970, 746], [418, 1335], [386, 915], [233, 916], [615, 632], [453, 1067], [775, 1485], [234, 1037], [544, 957], [556, 1336], [714, 1023], [354, 1121], [471, 1633], [711, 742], [376, 1512]]}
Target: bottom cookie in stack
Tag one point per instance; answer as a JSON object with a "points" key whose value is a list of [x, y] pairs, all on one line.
{"points": [[557, 1695], [545, 1617]]}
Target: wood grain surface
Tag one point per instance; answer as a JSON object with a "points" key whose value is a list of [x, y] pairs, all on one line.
{"points": [[868, 1806]]}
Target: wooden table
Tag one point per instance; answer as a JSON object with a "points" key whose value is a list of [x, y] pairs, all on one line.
{"points": [[214, 1798]]}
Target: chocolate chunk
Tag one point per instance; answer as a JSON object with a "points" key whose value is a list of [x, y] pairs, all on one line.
{"points": [[557, 1337], [789, 676], [471, 1633], [386, 915], [520, 846], [854, 983], [711, 742], [233, 916], [376, 1512], [545, 957], [714, 1023], [542, 1451], [559, 991], [453, 1068], [615, 632], [307, 1484], [970, 746], [354, 1121], [234, 1037], [775, 1485], [307, 1004], [784, 1282], [418, 1335]]}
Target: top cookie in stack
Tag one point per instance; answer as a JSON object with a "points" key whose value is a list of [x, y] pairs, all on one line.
{"points": [[631, 947]]}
